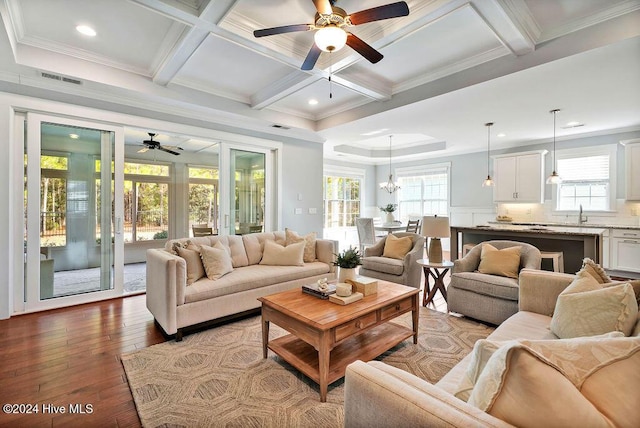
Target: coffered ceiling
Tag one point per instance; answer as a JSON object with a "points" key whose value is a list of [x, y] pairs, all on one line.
{"points": [[448, 67]]}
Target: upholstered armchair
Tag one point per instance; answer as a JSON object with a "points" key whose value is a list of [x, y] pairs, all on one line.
{"points": [[487, 297], [402, 271]]}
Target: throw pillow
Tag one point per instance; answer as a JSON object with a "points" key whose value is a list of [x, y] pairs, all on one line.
{"points": [[276, 255], [594, 269], [587, 308], [195, 269], [397, 248], [216, 261], [505, 262], [597, 380], [483, 349], [309, 239]]}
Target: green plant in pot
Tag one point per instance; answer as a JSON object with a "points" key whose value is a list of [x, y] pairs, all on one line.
{"points": [[389, 209], [347, 262]]}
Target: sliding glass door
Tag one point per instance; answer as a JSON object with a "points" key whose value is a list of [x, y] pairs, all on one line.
{"points": [[73, 212]]}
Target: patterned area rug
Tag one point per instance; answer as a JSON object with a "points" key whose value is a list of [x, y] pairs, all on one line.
{"points": [[219, 378]]}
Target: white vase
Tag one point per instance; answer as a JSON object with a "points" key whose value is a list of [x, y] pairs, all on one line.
{"points": [[390, 218], [346, 273]]}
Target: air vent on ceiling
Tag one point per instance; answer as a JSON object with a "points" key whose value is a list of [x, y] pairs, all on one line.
{"points": [[60, 78], [280, 126]]}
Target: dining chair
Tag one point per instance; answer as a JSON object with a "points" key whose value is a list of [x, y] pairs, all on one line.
{"points": [[413, 226], [366, 232], [200, 230]]}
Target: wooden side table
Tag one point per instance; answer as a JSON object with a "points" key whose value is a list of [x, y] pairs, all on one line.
{"points": [[437, 271]]}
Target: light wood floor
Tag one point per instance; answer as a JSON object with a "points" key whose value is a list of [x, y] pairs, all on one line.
{"points": [[72, 356]]}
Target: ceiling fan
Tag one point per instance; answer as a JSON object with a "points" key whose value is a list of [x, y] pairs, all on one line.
{"points": [[153, 145], [331, 35]]}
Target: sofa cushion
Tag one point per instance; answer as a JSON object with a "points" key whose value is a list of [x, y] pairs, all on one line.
{"points": [[489, 285], [309, 240], [397, 248], [383, 264], [216, 261], [251, 277], [195, 268], [587, 308], [277, 255], [505, 262], [254, 244], [588, 373]]}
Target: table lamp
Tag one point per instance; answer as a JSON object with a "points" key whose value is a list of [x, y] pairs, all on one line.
{"points": [[435, 228]]}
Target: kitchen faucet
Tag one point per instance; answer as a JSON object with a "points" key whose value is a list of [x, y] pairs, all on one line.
{"points": [[582, 219]]}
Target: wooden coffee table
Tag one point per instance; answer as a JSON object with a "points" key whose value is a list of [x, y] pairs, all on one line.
{"points": [[326, 337]]}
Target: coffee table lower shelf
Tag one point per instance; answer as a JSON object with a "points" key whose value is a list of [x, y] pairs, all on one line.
{"points": [[364, 346]]}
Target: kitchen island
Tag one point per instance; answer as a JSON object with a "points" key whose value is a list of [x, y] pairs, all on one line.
{"points": [[576, 243]]}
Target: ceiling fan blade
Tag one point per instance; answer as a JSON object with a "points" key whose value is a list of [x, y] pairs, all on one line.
{"points": [[358, 45], [281, 30], [323, 7], [172, 147], [392, 10], [312, 57], [164, 149], [143, 150]]}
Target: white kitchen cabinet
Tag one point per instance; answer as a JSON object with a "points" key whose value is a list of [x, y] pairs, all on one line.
{"points": [[632, 167], [625, 250], [519, 178]]}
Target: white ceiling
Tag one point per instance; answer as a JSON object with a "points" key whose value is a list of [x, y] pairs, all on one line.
{"points": [[448, 67]]}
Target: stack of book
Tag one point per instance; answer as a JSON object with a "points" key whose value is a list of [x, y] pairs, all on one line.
{"points": [[314, 290]]}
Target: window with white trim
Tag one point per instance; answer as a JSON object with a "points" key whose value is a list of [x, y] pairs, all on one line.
{"points": [[342, 190], [588, 179], [423, 191]]}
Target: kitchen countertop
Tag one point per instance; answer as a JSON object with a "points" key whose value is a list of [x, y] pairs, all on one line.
{"points": [[537, 229], [573, 225]]}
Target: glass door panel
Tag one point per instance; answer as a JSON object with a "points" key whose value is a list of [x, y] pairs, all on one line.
{"points": [[247, 198], [70, 206]]}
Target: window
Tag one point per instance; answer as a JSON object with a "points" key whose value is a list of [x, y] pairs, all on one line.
{"points": [[146, 201], [587, 179], [423, 191], [53, 200], [203, 197], [341, 200]]}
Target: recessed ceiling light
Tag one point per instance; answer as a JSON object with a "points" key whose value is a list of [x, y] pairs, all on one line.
{"points": [[86, 30], [74, 136], [313, 102], [573, 123], [500, 135], [375, 132]]}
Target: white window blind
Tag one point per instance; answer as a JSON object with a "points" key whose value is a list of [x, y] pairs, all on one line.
{"points": [[587, 168], [424, 192], [586, 182]]}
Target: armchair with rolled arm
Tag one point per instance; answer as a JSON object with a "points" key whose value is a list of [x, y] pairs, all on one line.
{"points": [[406, 271]]}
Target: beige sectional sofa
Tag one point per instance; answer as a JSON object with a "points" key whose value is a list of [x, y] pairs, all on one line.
{"points": [[175, 305], [379, 395]]}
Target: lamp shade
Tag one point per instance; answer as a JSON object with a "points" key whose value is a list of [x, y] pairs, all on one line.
{"points": [[435, 227], [330, 38]]}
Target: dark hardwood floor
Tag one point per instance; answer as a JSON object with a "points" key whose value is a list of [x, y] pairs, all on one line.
{"points": [[71, 356]]}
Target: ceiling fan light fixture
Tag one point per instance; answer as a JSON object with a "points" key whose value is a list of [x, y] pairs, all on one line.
{"points": [[330, 38]]}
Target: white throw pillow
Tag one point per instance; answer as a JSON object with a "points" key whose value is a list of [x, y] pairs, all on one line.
{"points": [[216, 261], [195, 268], [275, 254], [587, 308]]}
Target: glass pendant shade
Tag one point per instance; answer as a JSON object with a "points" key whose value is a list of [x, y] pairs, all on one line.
{"points": [[488, 182], [330, 38], [554, 178]]}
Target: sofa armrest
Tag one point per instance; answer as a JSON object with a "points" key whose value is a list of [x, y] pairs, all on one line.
{"points": [[326, 251], [166, 284], [539, 290], [379, 395], [468, 263]]}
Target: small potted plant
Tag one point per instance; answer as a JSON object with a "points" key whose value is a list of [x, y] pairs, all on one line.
{"points": [[389, 210], [347, 262]]}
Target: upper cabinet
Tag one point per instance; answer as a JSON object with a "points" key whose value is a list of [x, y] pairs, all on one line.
{"points": [[519, 178], [632, 166]]}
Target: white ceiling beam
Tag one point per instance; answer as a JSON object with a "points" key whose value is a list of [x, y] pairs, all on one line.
{"points": [[212, 13]]}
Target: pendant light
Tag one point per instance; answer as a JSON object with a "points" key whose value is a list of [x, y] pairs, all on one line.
{"points": [[488, 182], [554, 178], [389, 186]]}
